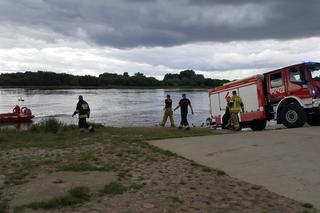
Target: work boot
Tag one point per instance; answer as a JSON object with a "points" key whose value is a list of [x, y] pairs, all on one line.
{"points": [[180, 127], [91, 129]]}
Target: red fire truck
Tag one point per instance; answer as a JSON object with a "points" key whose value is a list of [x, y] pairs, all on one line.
{"points": [[290, 95]]}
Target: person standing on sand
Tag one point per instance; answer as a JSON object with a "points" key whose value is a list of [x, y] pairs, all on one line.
{"points": [[83, 110], [167, 112], [184, 103]]}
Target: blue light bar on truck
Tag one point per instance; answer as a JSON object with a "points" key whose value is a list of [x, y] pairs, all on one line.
{"points": [[309, 62]]}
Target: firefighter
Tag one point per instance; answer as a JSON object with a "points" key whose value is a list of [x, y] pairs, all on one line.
{"points": [[226, 119], [184, 103], [235, 106], [16, 110], [167, 112], [83, 110]]}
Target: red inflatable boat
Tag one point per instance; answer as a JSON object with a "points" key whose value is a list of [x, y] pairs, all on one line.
{"points": [[19, 115]]}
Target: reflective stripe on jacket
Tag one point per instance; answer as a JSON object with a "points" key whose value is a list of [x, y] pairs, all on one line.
{"points": [[83, 116], [83, 109], [235, 104]]}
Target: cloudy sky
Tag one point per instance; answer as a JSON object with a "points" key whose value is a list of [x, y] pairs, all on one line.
{"points": [[218, 38]]}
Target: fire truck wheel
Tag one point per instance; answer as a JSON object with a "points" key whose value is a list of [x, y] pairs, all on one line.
{"points": [[258, 125], [292, 116], [314, 121]]}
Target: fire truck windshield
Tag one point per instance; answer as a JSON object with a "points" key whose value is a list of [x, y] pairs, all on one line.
{"points": [[315, 73]]}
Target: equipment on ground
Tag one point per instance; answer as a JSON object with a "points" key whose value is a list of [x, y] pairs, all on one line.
{"points": [[291, 95]]}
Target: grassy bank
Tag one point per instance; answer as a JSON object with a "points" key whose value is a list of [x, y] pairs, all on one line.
{"points": [[69, 136], [134, 176]]}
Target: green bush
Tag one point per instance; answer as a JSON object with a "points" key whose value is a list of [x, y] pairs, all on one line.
{"points": [[50, 125], [3, 206], [307, 205], [113, 188]]}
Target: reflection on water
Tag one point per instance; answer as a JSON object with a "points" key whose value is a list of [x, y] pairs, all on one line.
{"points": [[13, 126], [111, 107]]}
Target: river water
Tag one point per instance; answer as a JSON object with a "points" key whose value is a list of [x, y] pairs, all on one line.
{"points": [[111, 107]]}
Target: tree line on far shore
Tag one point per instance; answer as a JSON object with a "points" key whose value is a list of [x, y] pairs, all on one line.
{"points": [[186, 78]]}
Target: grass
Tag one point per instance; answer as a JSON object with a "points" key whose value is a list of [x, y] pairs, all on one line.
{"points": [[87, 166], [307, 205], [175, 201], [61, 148], [74, 196], [16, 173], [16, 178], [67, 136], [136, 187], [4, 206], [50, 134], [123, 174], [49, 125], [218, 172], [113, 188]]}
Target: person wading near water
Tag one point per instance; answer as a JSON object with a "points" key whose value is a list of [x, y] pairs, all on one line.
{"points": [[235, 106], [184, 103], [167, 112], [83, 110]]}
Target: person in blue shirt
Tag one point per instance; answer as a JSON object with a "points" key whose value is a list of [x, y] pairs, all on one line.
{"points": [[184, 104]]}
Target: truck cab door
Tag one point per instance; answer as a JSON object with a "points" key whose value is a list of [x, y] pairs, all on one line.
{"points": [[297, 83], [276, 86]]}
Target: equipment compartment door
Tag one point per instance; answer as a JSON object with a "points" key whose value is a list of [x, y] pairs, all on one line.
{"points": [[276, 86]]}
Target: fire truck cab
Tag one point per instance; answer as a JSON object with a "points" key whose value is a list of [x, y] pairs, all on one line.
{"points": [[291, 95]]}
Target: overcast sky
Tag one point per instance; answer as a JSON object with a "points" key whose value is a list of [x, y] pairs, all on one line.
{"points": [[218, 38]]}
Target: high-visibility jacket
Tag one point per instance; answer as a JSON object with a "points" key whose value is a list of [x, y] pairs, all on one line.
{"points": [[83, 109], [235, 104]]}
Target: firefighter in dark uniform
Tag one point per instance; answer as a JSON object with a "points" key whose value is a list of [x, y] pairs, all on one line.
{"points": [[83, 110], [184, 103]]}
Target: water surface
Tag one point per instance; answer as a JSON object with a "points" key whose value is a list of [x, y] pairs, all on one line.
{"points": [[111, 107]]}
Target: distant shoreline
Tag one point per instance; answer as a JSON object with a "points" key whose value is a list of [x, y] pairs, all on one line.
{"points": [[187, 79], [92, 87]]}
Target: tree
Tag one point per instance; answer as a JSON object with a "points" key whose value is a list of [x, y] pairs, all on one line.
{"points": [[126, 75], [186, 78]]}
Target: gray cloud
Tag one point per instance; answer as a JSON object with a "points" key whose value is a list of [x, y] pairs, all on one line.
{"points": [[136, 23]]}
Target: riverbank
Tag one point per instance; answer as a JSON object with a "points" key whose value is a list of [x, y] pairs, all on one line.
{"points": [[105, 87], [115, 170]]}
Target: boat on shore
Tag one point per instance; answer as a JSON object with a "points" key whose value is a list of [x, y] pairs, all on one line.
{"points": [[19, 115]]}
